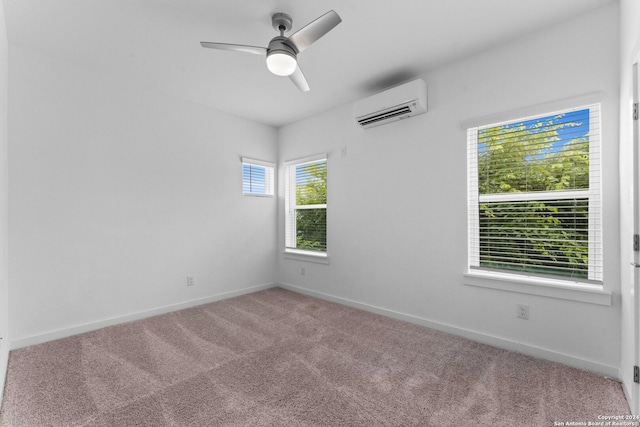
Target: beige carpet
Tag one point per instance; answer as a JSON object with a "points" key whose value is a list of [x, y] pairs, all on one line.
{"points": [[277, 358]]}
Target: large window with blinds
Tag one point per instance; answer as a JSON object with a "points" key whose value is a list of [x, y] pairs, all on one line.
{"points": [[534, 195], [306, 206]]}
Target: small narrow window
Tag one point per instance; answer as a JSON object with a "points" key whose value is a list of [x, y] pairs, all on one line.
{"points": [[257, 178], [306, 206]]}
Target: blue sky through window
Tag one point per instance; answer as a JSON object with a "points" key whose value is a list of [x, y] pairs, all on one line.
{"points": [[253, 179], [569, 126], [303, 172]]}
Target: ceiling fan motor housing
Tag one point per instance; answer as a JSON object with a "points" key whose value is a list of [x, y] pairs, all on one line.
{"points": [[279, 44]]}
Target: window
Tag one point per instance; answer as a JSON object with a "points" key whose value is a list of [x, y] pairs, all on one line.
{"points": [[306, 206], [534, 195], [257, 177]]}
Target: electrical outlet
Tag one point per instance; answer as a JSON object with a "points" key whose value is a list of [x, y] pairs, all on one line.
{"points": [[190, 281], [302, 271], [523, 311]]}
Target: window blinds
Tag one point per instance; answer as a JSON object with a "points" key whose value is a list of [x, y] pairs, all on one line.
{"points": [[534, 195], [306, 204], [257, 177]]}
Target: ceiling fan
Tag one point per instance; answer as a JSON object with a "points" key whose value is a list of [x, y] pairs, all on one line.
{"points": [[282, 51]]}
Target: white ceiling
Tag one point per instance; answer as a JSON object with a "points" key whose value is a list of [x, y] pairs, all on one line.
{"points": [[378, 44]]}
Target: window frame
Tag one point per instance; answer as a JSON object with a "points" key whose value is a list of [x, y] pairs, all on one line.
{"points": [[586, 290], [290, 250], [269, 178]]}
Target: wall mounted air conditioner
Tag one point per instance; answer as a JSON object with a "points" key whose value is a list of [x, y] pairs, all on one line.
{"points": [[397, 103]]}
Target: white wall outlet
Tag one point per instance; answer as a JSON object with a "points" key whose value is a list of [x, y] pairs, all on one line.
{"points": [[302, 271], [190, 281], [523, 311]]}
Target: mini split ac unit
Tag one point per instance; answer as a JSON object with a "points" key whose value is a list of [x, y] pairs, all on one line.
{"points": [[400, 102]]}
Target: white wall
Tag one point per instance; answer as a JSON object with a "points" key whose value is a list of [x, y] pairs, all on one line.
{"points": [[4, 305], [397, 201], [117, 193], [629, 54]]}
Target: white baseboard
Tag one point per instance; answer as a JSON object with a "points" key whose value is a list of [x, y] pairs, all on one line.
{"points": [[88, 327], [610, 372]]}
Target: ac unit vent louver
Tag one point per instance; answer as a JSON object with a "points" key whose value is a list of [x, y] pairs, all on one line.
{"points": [[397, 103], [385, 116]]}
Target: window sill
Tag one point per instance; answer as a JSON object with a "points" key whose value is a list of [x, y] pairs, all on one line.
{"points": [[257, 195], [552, 288], [310, 256]]}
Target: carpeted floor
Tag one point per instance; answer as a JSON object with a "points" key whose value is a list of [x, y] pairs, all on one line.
{"points": [[277, 358]]}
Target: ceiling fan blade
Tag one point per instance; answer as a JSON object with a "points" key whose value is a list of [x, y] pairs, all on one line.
{"points": [[299, 80], [307, 35], [256, 50]]}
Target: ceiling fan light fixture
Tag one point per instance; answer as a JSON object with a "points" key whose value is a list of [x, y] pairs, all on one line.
{"points": [[282, 52], [281, 63]]}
